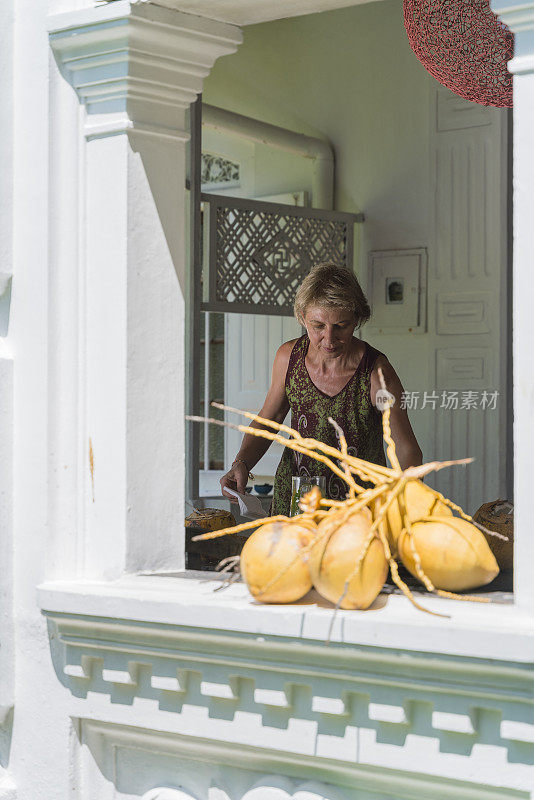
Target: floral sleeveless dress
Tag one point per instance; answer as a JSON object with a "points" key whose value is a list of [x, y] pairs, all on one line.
{"points": [[351, 408]]}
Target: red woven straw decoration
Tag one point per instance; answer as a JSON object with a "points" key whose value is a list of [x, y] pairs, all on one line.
{"points": [[464, 46]]}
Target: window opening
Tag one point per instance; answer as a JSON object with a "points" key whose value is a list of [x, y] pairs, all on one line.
{"points": [[248, 257]]}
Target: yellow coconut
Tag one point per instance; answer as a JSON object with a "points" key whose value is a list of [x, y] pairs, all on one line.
{"points": [[420, 502], [271, 550], [335, 555], [454, 554]]}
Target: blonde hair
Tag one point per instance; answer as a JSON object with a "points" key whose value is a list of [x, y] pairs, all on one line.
{"points": [[328, 284]]}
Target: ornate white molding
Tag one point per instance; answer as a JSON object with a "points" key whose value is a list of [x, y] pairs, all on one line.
{"points": [[519, 16], [314, 704], [473, 630], [251, 12], [136, 67], [282, 775], [120, 123], [7, 628], [8, 787], [164, 793], [219, 171], [138, 58], [521, 64]]}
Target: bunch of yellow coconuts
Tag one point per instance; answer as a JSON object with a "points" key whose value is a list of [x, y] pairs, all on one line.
{"points": [[348, 565], [344, 548]]}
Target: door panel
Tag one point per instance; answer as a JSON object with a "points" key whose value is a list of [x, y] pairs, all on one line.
{"points": [[467, 279], [251, 342]]}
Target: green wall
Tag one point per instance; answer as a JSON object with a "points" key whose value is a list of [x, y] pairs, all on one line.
{"points": [[350, 77]]}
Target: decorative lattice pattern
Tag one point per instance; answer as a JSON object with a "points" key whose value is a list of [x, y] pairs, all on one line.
{"points": [[262, 257], [464, 46], [218, 171]]}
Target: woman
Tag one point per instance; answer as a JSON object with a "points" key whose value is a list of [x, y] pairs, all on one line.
{"points": [[327, 372]]}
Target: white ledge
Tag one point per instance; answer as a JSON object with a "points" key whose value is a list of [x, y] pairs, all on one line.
{"points": [[500, 632]]}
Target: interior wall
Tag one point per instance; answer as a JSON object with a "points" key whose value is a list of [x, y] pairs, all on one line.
{"points": [[428, 170], [264, 170], [350, 77]]}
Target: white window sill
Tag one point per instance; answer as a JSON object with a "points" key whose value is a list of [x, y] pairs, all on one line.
{"points": [[500, 632]]}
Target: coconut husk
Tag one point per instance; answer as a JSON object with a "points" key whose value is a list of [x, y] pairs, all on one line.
{"points": [[210, 519], [499, 516], [204, 556]]}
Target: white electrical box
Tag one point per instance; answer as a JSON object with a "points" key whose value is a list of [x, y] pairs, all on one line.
{"points": [[397, 290]]}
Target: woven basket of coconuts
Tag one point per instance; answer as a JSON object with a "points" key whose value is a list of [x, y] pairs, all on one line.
{"points": [[499, 516]]}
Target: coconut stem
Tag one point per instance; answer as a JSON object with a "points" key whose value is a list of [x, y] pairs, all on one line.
{"points": [[377, 469], [389, 481], [391, 451], [353, 486]]}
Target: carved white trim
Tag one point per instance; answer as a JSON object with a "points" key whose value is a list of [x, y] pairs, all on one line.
{"points": [[518, 15], [141, 59], [474, 630], [465, 313], [252, 12], [135, 67], [8, 788], [301, 699], [521, 65], [164, 793], [219, 172], [120, 124], [7, 629], [273, 787], [281, 774]]}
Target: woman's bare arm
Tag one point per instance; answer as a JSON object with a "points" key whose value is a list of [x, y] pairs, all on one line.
{"points": [[275, 407], [406, 446]]}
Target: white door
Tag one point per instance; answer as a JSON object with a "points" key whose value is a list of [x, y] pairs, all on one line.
{"points": [[251, 342], [467, 281]]}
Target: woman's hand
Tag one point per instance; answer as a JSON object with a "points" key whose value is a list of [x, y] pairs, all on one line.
{"points": [[236, 478]]}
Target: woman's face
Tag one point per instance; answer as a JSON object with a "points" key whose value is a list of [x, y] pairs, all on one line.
{"points": [[330, 329]]}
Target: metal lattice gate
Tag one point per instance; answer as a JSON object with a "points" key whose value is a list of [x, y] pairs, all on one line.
{"points": [[247, 257], [259, 253]]}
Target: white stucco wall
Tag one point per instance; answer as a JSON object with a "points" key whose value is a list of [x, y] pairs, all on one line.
{"points": [[37, 734], [123, 715], [7, 642], [67, 197]]}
